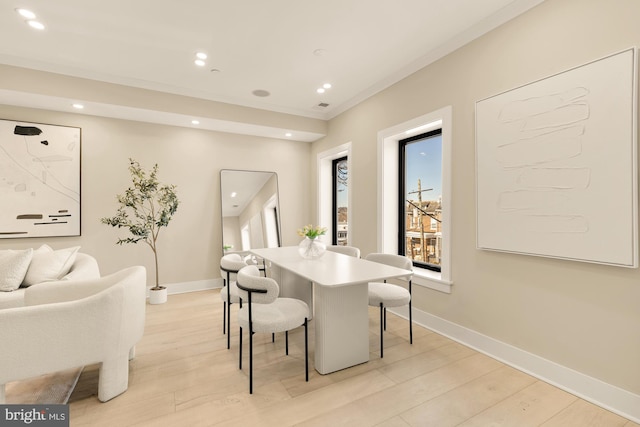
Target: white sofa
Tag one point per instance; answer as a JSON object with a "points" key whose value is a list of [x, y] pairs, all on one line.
{"points": [[67, 324], [83, 267]]}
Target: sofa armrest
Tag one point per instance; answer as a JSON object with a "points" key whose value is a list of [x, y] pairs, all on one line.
{"points": [[102, 328], [61, 291], [52, 337], [67, 290]]}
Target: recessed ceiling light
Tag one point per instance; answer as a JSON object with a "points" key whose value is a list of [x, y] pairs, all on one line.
{"points": [[26, 13], [78, 106], [234, 194], [327, 85], [320, 90], [199, 62], [35, 24], [195, 122], [261, 93], [201, 55], [288, 134]]}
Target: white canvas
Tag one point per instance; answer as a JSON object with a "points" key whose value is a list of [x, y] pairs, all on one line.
{"points": [[556, 165], [39, 180]]}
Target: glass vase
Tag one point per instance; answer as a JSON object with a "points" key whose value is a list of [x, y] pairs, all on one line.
{"points": [[311, 248]]}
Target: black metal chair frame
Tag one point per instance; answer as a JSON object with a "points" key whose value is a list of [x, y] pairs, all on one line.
{"points": [[226, 314], [383, 322], [306, 347]]}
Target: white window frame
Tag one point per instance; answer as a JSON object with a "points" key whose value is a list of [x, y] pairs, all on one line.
{"points": [[245, 237], [325, 187], [270, 222], [388, 172]]}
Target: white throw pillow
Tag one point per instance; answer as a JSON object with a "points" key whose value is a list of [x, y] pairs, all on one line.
{"points": [[13, 267], [47, 264]]}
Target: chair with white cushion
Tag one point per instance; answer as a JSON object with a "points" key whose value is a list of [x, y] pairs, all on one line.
{"points": [[347, 250], [385, 294], [229, 266], [264, 311]]}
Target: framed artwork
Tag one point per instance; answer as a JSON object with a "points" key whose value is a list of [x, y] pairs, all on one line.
{"points": [[39, 180], [556, 164]]}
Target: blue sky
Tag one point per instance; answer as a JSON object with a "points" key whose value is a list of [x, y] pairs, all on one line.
{"points": [[424, 162]]}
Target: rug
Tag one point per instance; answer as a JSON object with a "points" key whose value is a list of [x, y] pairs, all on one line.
{"points": [[52, 388]]}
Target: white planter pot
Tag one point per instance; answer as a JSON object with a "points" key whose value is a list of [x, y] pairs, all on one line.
{"points": [[157, 296]]}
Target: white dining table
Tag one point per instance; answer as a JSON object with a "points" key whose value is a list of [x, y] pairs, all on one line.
{"points": [[336, 288]]}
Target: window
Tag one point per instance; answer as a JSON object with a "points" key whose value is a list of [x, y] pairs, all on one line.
{"points": [[245, 237], [389, 216], [340, 223], [271, 223], [326, 209], [420, 201]]}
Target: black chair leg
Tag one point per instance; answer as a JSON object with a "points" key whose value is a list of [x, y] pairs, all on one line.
{"points": [[385, 318], [250, 361], [286, 342], [306, 353], [240, 344], [410, 316], [224, 317], [381, 330], [273, 337], [410, 325], [229, 323]]}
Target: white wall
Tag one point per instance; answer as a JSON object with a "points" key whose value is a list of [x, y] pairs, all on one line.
{"points": [[191, 247], [231, 232], [582, 316]]}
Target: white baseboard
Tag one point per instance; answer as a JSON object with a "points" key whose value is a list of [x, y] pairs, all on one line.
{"points": [[607, 396], [197, 285]]}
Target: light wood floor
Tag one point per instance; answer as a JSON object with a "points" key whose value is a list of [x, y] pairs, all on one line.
{"points": [[183, 375]]}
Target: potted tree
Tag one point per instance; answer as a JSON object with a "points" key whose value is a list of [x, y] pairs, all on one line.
{"points": [[144, 209]]}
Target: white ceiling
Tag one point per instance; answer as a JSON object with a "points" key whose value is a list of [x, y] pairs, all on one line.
{"points": [[271, 45]]}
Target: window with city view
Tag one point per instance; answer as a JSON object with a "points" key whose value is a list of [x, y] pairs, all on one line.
{"points": [[340, 201], [421, 199]]}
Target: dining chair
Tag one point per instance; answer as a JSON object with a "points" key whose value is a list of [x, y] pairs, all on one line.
{"points": [[259, 262], [347, 250], [265, 311], [383, 294], [230, 264]]}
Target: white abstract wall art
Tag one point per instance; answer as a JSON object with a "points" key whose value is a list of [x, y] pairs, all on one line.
{"points": [[556, 165], [39, 180]]}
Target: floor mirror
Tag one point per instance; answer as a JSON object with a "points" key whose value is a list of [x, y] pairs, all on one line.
{"points": [[250, 210]]}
